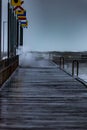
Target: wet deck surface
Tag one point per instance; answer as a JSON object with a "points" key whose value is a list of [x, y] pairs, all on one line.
{"points": [[43, 98]]}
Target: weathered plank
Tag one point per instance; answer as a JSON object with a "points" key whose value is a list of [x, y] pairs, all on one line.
{"points": [[43, 99]]}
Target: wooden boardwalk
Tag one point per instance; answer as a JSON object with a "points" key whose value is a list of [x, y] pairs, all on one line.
{"points": [[43, 98]]}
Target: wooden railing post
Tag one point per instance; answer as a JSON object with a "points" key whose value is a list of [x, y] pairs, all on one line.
{"points": [[62, 62], [77, 67]]}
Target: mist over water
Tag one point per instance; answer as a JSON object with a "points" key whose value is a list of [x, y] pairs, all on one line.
{"points": [[35, 59]]}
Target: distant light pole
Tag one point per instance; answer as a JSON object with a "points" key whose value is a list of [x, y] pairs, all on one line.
{"points": [[4, 22]]}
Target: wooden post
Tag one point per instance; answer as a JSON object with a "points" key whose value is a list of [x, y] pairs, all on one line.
{"points": [[62, 62], [77, 67]]}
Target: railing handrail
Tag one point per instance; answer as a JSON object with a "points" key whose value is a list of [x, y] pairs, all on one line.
{"points": [[7, 66], [7, 61], [7, 70], [61, 61]]}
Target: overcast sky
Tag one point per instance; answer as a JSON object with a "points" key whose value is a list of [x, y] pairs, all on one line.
{"points": [[56, 25]]}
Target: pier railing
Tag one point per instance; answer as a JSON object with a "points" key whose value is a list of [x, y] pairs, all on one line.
{"points": [[7, 67], [70, 65]]}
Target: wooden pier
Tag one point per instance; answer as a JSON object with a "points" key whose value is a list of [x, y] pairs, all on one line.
{"points": [[43, 98]]}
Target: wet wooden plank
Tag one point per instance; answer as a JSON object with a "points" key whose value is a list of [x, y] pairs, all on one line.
{"points": [[43, 99]]}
